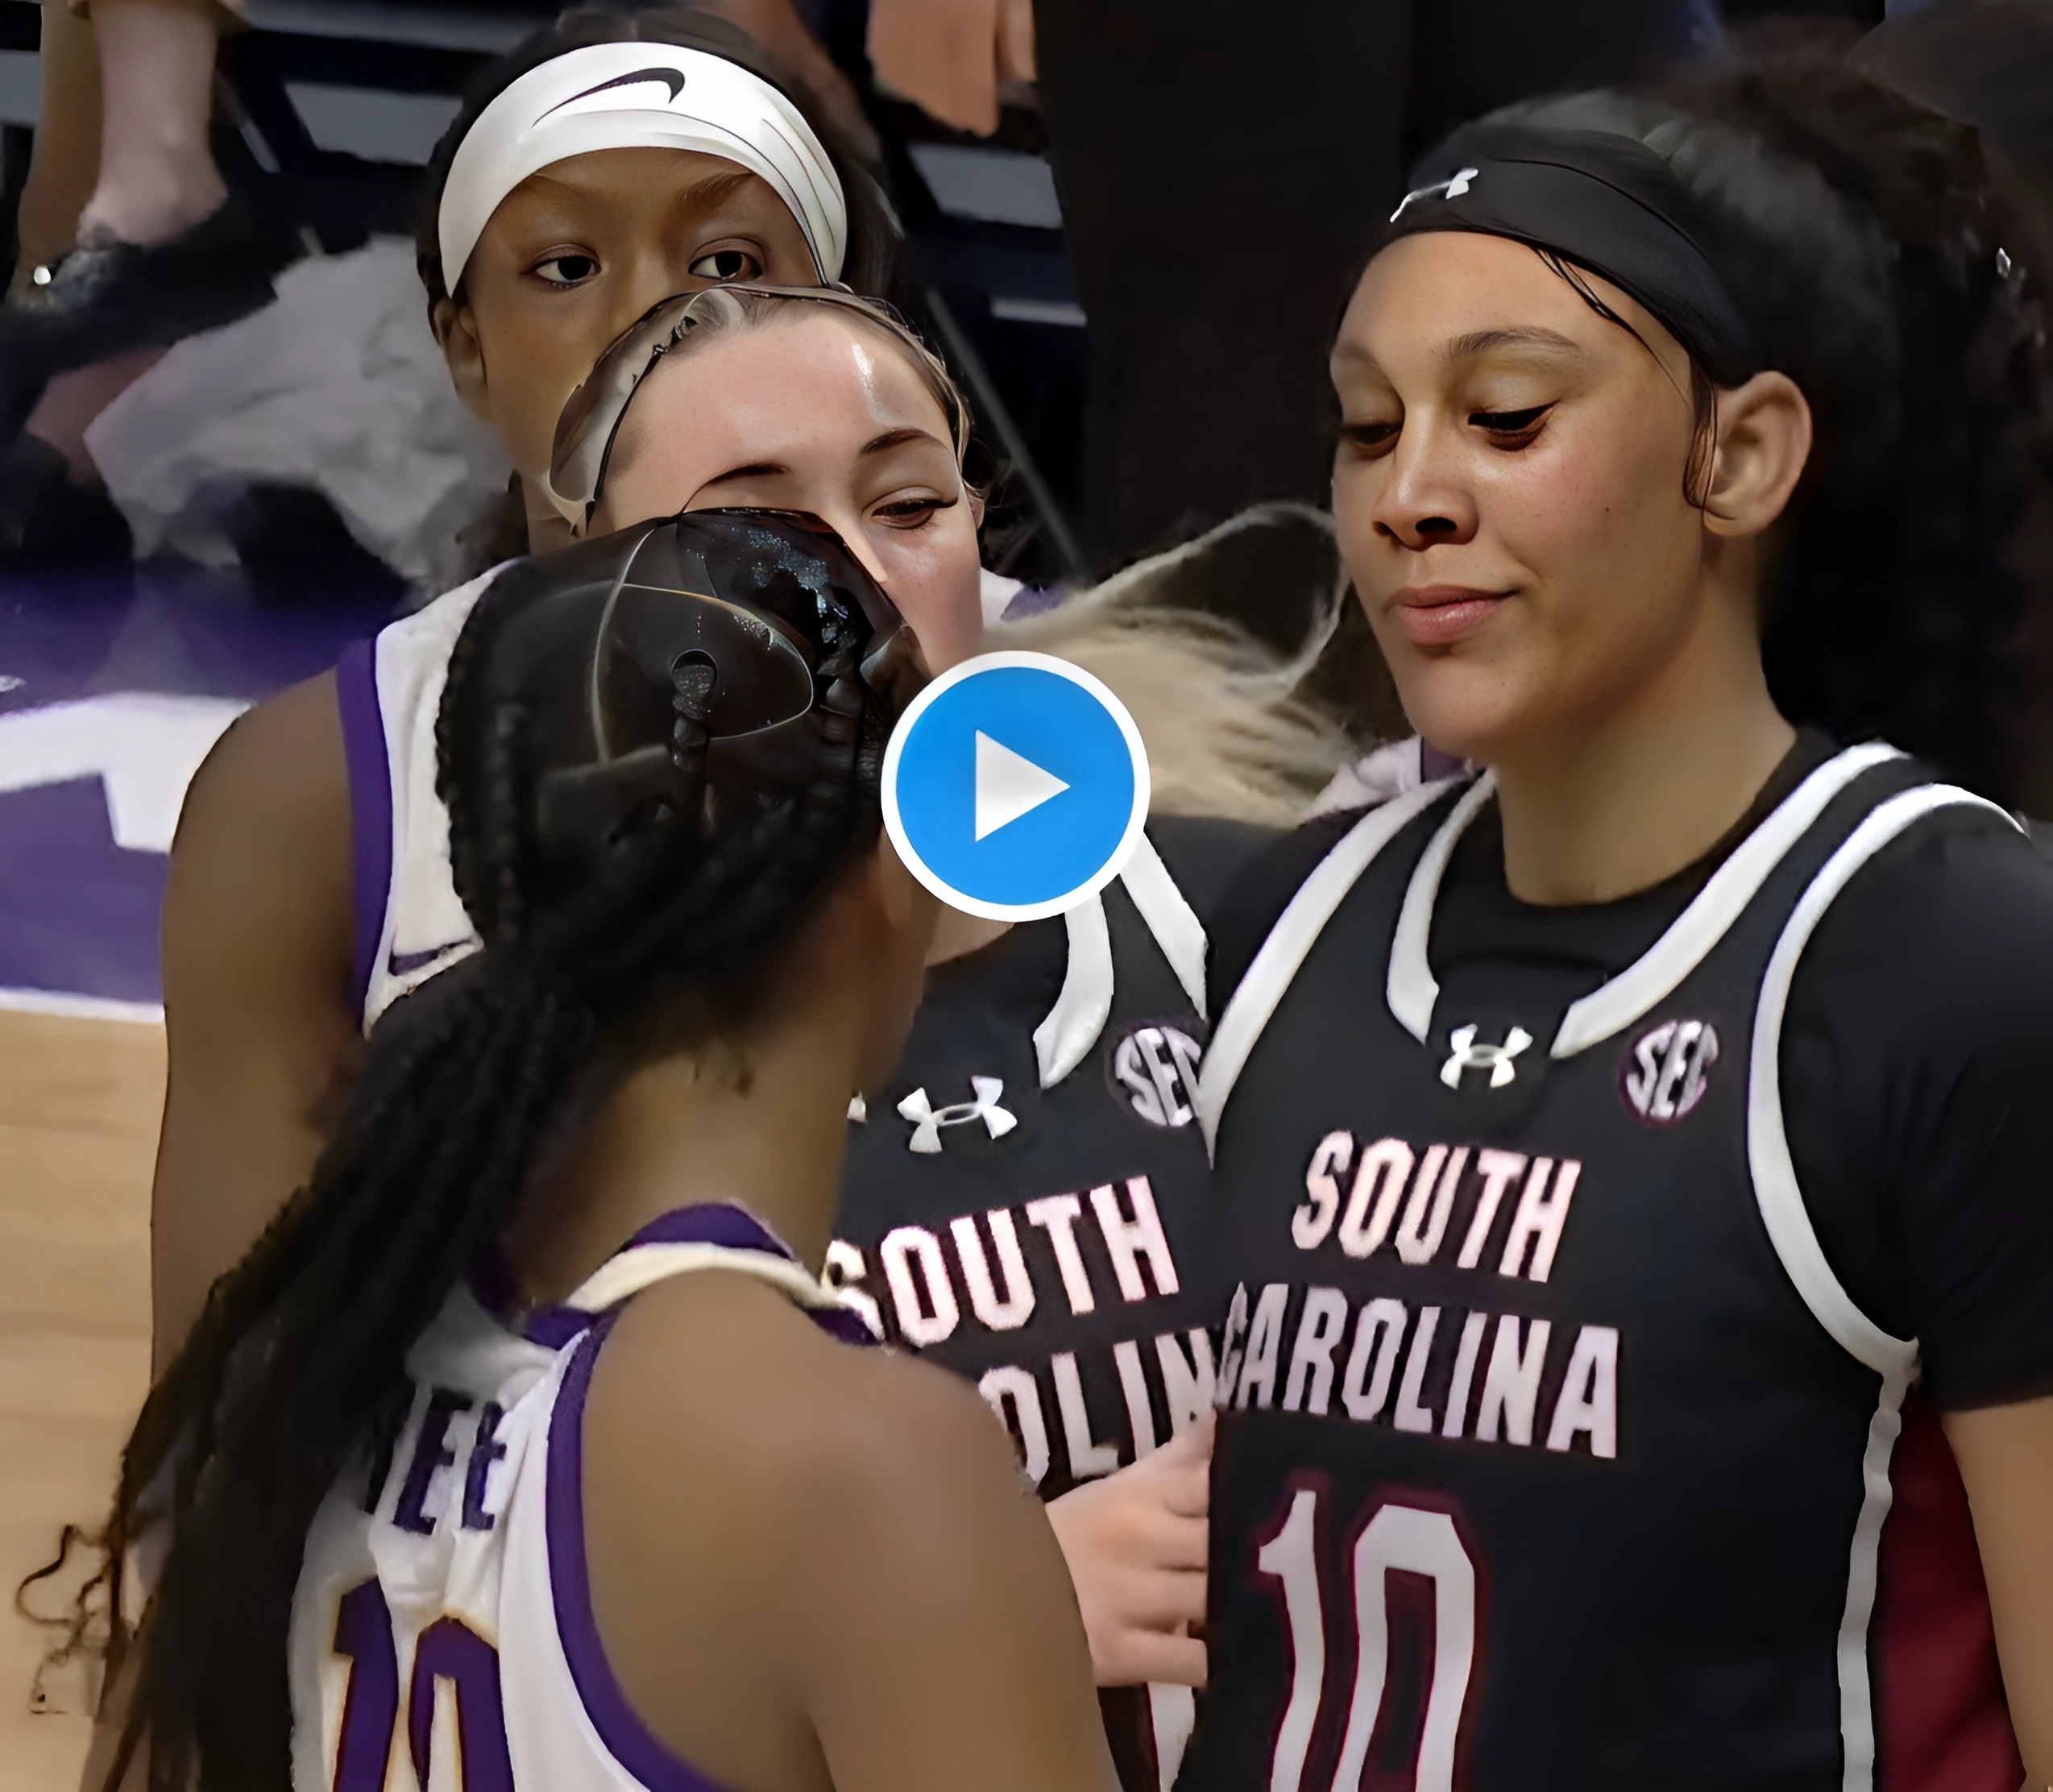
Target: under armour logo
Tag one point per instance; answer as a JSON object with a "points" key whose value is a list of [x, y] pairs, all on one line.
{"points": [[928, 1120], [1465, 1055], [1452, 187]]}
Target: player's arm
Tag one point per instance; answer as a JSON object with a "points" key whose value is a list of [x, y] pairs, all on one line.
{"points": [[947, 1649], [2005, 1454], [816, 1565], [950, 1651], [257, 943]]}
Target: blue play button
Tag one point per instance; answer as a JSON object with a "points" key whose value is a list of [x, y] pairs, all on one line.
{"points": [[1015, 786]]}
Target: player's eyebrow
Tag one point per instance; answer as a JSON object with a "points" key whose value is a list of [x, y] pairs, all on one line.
{"points": [[888, 439], [1524, 342]]}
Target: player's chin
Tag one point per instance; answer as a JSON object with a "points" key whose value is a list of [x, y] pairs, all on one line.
{"points": [[1467, 704]]}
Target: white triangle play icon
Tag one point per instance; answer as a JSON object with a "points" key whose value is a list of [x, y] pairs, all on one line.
{"points": [[1008, 785]]}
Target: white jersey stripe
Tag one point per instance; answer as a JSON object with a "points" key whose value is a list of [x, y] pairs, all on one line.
{"points": [[1775, 1185], [1795, 1240], [1296, 931], [1412, 989], [1614, 1007], [1172, 921]]}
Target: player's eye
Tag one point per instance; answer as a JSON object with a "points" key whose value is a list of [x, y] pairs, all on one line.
{"points": [[1369, 438], [566, 267], [727, 264], [914, 512], [1514, 429]]}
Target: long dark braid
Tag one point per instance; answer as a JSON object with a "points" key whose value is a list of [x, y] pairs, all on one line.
{"points": [[298, 1359]]}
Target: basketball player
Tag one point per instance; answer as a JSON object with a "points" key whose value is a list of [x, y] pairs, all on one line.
{"points": [[620, 155], [1631, 1159], [1022, 1202], [532, 1393]]}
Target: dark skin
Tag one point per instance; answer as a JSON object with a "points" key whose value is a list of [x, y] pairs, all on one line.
{"points": [[812, 1566], [258, 934]]}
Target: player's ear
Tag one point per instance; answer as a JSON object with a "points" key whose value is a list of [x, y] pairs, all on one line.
{"points": [[456, 334], [1763, 441]]}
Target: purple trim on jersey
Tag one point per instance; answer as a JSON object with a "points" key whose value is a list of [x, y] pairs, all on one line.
{"points": [[844, 1325], [370, 801], [620, 1726], [715, 1222], [555, 1328], [627, 1738]]}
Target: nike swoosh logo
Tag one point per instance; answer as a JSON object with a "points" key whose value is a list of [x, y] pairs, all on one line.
{"points": [[402, 963], [670, 77]]}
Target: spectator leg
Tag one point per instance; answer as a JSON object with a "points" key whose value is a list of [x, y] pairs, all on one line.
{"points": [[157, 173]]}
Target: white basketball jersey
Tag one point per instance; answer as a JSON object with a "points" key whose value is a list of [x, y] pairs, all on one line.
{"points": [[442, 1634]]}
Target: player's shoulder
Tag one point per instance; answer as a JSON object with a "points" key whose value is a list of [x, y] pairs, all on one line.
{"points": [[1956, 913], [727, 1372], [1205, 853], [275, 782]]}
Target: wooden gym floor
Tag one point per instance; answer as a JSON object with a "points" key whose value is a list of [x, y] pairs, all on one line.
{"points": [[79, 1105]]}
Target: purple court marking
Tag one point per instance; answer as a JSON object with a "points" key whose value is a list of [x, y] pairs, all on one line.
{"points": [[78, 915]]}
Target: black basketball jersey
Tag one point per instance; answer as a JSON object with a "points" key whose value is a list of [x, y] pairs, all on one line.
{"points": [[1023, 1204], [1552, 1453]]}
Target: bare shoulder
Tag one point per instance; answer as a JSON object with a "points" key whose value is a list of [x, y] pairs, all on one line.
{"points": [[282, 760], [868, 1585], [259, 892], [731, 1367]]}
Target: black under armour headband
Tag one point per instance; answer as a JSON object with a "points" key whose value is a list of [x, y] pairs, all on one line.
{"points": [[1606, 203]]}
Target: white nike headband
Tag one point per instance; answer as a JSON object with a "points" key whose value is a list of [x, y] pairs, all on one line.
{"points": [[640, 95]]}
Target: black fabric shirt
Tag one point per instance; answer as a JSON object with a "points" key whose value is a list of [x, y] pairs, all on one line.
{"points": [[1917, 1059]]}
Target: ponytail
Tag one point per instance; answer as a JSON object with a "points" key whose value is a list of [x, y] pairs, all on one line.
{"points": [[1858, 232]]}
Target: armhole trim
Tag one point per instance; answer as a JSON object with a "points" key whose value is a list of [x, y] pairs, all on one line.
{"points": [[1072, 1027], [1659, 971], [1795, 1243], [369, 768], [617, 1727], [1169, 917], [1410, 989], [1290, 942], [1775, 1187]]}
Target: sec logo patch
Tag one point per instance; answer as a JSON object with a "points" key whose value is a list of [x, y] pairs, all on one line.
{"points": [[1154, 1072], [1667, 1070]]}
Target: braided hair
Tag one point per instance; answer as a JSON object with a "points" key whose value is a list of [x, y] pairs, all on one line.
{"points": [[1859, 234], [874, 263], [649, 788]]}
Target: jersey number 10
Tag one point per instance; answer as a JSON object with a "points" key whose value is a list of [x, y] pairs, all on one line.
{"points": [[1396, 1537], [448, 1649]]}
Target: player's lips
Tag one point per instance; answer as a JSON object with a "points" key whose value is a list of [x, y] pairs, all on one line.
{"points": [[1432, 616]]}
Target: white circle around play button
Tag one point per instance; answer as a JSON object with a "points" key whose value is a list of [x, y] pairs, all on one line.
{"points": [[1015, 786]]}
